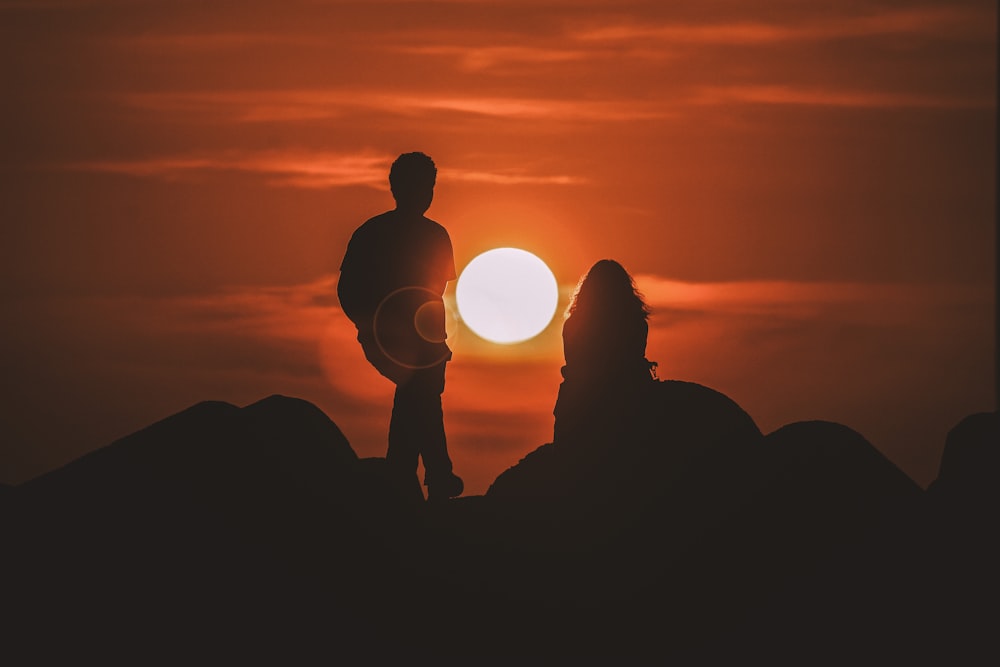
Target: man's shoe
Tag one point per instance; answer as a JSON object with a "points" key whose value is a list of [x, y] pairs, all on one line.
{"points": [[445, 487]]}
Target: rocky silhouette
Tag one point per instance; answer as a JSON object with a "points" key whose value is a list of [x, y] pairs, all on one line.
{"points": [[962, 538], [257, 531]]}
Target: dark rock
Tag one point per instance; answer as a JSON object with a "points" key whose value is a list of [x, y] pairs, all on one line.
{"points": [[680, 533], [829, 483], [961, 545], [680, 422], [970, 464]]}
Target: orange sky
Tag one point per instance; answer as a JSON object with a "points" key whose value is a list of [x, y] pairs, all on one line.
{"points": [[806, 194]]}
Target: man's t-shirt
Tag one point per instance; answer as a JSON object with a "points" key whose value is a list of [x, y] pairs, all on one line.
{"points": [[403, 264], [391, 251]]}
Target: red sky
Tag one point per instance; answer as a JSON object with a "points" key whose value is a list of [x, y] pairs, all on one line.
{"points": [[805, 193]]}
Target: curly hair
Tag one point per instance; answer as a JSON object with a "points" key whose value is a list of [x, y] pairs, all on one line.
{"points": [[608, 288], [412, 173]]}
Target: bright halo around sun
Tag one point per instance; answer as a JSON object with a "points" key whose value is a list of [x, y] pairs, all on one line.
{"points": [[507, 295]]}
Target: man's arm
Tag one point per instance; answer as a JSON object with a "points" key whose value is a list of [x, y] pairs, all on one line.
{"points": [[349, 302], [353, 286]]}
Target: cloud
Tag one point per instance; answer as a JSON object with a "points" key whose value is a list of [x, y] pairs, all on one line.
{"points": [[314, 104], [293, 312], [513, 177], [288, 168], [205, 41], [304, 169], [294, 334], [246, 105], [46, 4], [927, 21], [877, 304], [543, 109], [325, 104], [904, 36], [477, 58], [791, 95], [741, 33]]}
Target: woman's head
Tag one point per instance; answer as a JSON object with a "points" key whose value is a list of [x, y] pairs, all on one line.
{"points": [[608, 287]]}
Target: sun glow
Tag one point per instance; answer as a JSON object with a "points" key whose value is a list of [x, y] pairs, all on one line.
{"points": [[507, 295]]}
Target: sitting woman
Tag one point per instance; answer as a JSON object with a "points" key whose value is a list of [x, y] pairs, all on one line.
{"points": [[606, 377]]}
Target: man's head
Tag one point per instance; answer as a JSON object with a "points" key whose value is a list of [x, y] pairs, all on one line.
{"points": [[411, 180]]}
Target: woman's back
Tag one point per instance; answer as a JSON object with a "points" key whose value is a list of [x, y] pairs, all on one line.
{"points": [[603, 347]]}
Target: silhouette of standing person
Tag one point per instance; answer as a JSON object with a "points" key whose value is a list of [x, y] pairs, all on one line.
{"points": [[392, 280], [604, 345]]}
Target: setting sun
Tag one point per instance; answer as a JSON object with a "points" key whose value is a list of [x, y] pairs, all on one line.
{"points": [[507, 295]]}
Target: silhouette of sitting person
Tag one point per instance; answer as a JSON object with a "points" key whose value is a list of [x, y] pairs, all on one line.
{"points": [[604, 344], [392, 280]]}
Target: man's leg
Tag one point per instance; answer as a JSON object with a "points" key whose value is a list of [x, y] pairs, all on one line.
{"points": [[404, 443], [404, 431], [417, 427]]}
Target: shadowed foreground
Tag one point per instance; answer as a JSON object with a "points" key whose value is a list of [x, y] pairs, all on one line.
{"points": [[222, 533]]}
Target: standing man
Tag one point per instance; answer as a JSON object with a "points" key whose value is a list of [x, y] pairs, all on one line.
{"points": [[391, 285]]}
